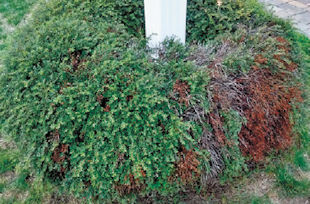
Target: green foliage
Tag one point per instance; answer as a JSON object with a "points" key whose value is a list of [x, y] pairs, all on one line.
{"points": [[131, 14], [205, 19], [234, 160], [302, 112], [19, 186], [8, 160], [91, 111], [291, 186], [127, 12], [12, 12], [286, 174]]}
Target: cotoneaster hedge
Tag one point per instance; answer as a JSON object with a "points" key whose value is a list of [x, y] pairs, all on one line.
{"points": [[93, 112], [205, 19]]}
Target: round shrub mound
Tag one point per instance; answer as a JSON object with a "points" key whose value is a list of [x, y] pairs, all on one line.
{"points": [[96, 114]]}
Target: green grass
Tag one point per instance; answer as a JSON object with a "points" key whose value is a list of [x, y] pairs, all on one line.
{"points": [[291, 187], [2, 187], [260, 200], [2, 36], [286, 165], [8, 160], [9, 201], [15, 10], [35, 190], [38, 191], [21, 182], [301, 161], [246, 198]]}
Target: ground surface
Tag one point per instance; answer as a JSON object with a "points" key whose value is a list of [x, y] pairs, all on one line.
{"points": [[296, 10]]}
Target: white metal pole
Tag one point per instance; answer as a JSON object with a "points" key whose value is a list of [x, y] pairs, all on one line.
{"points": [[165, 19]]}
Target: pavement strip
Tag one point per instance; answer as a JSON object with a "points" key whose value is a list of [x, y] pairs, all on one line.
{"points": [[298, 11]]}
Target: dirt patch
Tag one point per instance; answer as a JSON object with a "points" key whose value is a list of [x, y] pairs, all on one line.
{"points": [[260, 184], [276, 199], [17, 195], [7, 177], [28, 16], [56, 198], [6, 145], [5, 25]]}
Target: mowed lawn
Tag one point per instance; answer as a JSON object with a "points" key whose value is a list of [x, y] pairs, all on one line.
{"points": [[15, 10], [11, 14]]}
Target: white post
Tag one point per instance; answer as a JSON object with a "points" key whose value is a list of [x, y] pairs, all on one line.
{"points": [[163, 19]]}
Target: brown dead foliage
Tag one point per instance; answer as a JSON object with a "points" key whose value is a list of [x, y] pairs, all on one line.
{"points": [[52, 136], [107, 109], [260, 59], [60, 156], [163, 128], [210, 143], [59, 153], [87, 183], [284, 47], [135, 185], [143, 173], [103, 103], [281, 40], [264, 100], [183, 90], [217, 125], [187, 166], [289, 66], [129, 98], [262, 97], [76, 60], [268, 115], [65, 85], [285, 58]]}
